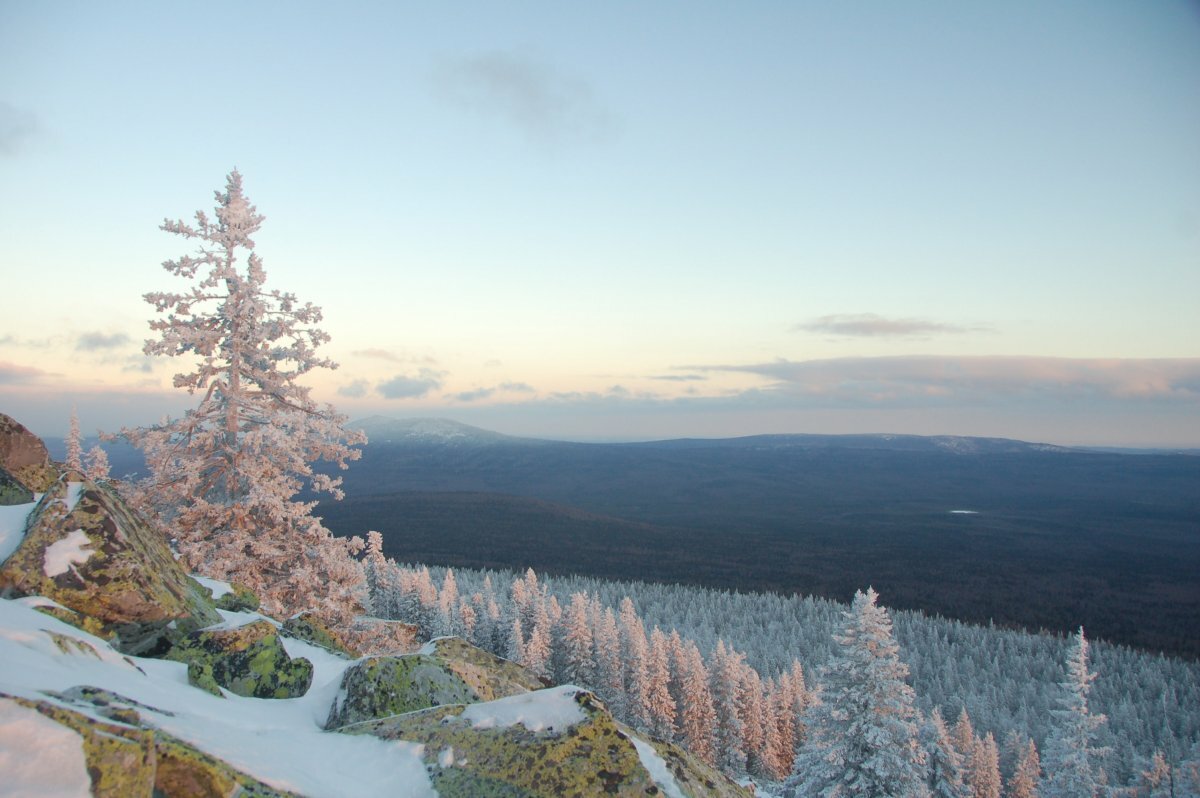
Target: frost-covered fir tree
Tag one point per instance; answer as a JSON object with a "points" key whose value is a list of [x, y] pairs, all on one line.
{"points": [[944, 766], [223, 478], [1026, 777], [95, 463], [1073, 762], [862, 731], [659, 704], [984, 768], [74, 442]]}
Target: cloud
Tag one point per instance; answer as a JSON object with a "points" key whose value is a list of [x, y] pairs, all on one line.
{"points": [[13, 374], [403, 386], [517, 387], [898, 381], [542, 102], [17, 127], [93, 341], [354, 390], [140, 364], [679, 377], [475, 395], [875, 326]]}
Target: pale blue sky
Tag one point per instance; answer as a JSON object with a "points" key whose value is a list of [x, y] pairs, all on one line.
{"points": [[630, 220]]}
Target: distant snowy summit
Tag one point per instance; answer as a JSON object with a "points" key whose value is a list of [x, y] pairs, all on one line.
{"points": [[431, 431]]}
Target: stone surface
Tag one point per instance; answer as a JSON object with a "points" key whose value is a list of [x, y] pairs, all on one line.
{"points": [[125, 760], [13, 491], [248, 660], [311, 629], [378, 687], [105, 563], [489, 676], [24, 456], [592, 758]]}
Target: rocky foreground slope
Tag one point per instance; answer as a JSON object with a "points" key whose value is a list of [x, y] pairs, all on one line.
{"points": [[120, 675]]}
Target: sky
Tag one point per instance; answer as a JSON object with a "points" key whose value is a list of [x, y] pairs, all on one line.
{"points": [[626, 221]]}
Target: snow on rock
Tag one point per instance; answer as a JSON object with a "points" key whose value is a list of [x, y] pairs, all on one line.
{"points": [[62, 554], [554, 708], [40, 757], [217, 587], [275, 741], [74, 491], [657, 768], [12, 527]]}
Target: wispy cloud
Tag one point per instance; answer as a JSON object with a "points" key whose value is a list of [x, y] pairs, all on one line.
{"points": [[354, 390], [95, 341], [17, 127], [872, 325], [405, 386], [933, 380], [474, 395], [543, 102], [679, 377], [14, 374], [517, 387], [478, 394]]}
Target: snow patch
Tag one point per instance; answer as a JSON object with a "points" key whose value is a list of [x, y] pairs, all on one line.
{"points": [[552, 709], [40, 757], [657, 768], [217, 587], [964, 512], [74, 491], [278, 741], [13, 519], [446, 758], [62, 554]]}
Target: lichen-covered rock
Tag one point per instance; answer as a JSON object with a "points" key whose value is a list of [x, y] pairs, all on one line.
{"points": [[378, 687], [88, 551], [24, 456], [467, 759], [238, 599], [311, 629], [696, 777], [378, 636], [489, 676], [249, 660], [12, 490], [124, 760]]}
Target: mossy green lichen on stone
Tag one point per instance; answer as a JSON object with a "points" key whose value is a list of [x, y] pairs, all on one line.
{"points": [[248, 660], [488, 675], [13, 491], [123, 575], [126, 760], [238, 599], [24, 456], [311, 629], [590, 758], [377, 687]]}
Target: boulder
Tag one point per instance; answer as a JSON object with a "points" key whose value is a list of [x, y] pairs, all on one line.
{"points": [[247, 660], [88, 551], [489, 676], [311, 629], [13, 491], [447, 670], [238, 599], [378, 687], [375, 636], [24, 456], [123, 759], [553, 742]]}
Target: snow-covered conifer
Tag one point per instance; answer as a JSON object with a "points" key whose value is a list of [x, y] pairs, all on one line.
{"points": [[862, 732], [577, 660], [74, 442], [95, 463], [659, 704], [697, 716], [984, 768], [1026, 777], [944, 766], [223, 477], [634, 655], [1073, 762], [725, 676]]}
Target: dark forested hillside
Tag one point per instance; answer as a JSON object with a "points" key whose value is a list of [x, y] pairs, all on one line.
{"points": [[1053, 538]]}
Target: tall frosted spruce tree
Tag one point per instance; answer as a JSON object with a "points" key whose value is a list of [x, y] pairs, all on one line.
{"points": [[1073, 761], [222, 479], [863, 728]]}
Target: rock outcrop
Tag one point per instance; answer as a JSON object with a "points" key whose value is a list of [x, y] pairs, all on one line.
{"points": [[124, 759], [24, 456], [247, 660], [89, 552]]}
